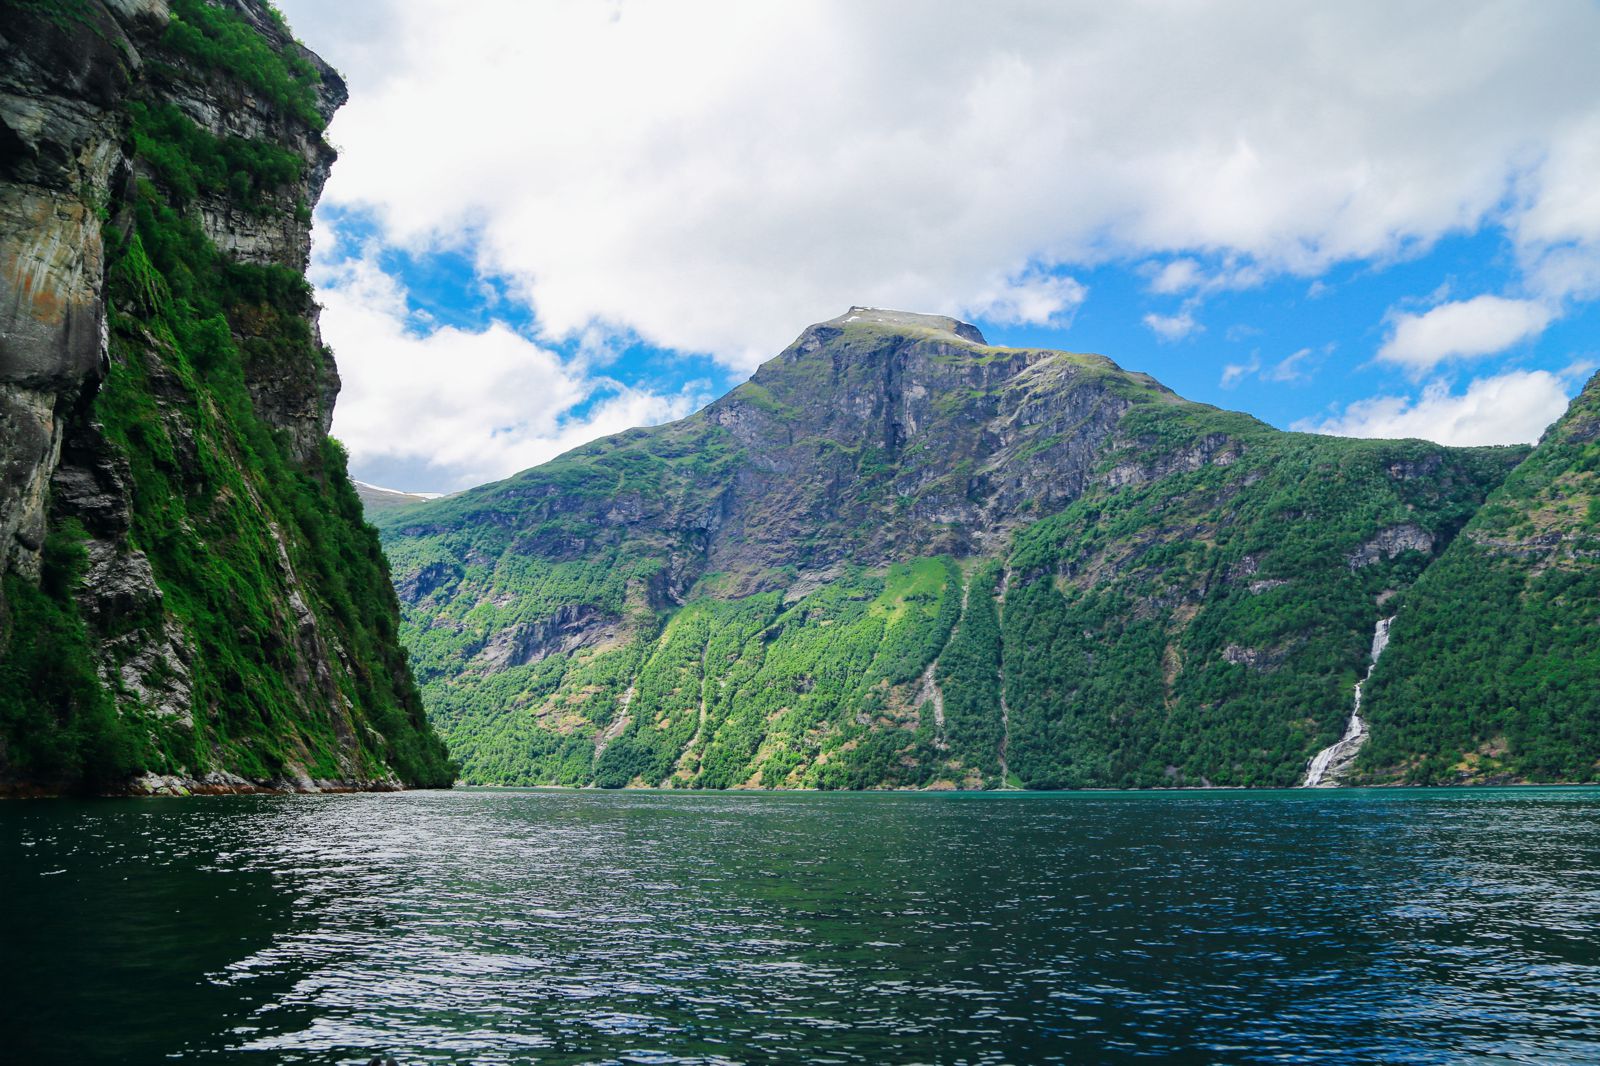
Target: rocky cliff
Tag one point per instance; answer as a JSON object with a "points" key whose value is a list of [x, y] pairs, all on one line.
{"points": [[190, 595], [900, 556]]}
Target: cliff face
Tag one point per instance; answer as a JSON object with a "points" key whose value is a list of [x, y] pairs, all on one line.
{"points": [[892, 429], [899, 556], [189, 589], [1493, 671]]}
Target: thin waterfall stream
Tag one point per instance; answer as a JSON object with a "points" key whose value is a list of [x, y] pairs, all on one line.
{"points": [[1331, 763]]}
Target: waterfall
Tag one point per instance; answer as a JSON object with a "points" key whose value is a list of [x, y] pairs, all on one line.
{"points": [[1331, 763]]}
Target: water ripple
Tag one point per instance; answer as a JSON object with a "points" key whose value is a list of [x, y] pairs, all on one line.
{"points": [[670, 928]]}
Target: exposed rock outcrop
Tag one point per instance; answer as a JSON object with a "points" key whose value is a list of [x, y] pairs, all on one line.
{"points": [[134, 133], [1391, 542]]}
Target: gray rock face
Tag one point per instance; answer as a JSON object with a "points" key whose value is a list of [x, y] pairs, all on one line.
{"points": [[1263, 659], [571, 626], [59, 150], [1391, 542], [977, 439], [1213, 450], [63, 162], [67, 176], [876, 436]]}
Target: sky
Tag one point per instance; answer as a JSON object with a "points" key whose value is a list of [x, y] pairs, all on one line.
{"points": [[556, 219]]}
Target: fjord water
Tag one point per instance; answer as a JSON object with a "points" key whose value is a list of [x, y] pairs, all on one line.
{"points": [[572, 927]]}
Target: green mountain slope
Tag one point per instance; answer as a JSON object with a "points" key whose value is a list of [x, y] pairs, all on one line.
{"points": [[191, 597], [1493, 669], [898, 556]]}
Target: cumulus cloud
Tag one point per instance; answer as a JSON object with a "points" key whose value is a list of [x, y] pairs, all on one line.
{"points": [[1174, 327], [1036, 299], [1186, 275], [442, 409], [1511, 408], [1558, 232], [713, 174], [1462, 329]]}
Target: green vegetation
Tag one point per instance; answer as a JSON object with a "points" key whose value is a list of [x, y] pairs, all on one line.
{"points": [[969, 676], [59, 724], [216, 493], [271, 584], [1189, 603], [1208, 627], [189, 161], [726, 693], [1194, 629], [1493, 670], [222, 40], [66, 16]]}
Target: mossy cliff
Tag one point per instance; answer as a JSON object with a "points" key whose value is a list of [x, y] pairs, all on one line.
{"points": [[191, 597], [899, 556]]}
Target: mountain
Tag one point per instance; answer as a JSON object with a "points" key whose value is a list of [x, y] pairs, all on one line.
{"points": [[375, 498], [1493, 670], [899, 556], [191, 598]]}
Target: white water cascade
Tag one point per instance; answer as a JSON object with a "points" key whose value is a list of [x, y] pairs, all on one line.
{"points": [[1329, 764]]}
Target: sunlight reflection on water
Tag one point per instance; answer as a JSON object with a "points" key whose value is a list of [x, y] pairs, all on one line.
{"points": [[498, 926]]}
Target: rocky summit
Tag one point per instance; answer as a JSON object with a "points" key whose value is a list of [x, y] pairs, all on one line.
{"points": [[191, 600], [899, 556]]}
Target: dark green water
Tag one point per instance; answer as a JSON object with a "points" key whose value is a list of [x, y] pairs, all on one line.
{"points": [[656, 928]]}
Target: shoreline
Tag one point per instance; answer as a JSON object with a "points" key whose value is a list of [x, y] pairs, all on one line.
{"points": [[179, 788], [1174, 790], [217, 783]]}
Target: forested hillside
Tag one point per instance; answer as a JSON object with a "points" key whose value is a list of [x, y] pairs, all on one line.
{"points": [[191, 597], [1493, 671], [899, 556]]}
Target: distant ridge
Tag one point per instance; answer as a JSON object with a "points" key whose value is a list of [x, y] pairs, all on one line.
{"points": [[376, 497]]}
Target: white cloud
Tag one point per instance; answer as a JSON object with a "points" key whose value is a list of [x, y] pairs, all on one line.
{"points": [[1480, 326], [1510, 408], [1292, 368], [1036, 298], [1234, 373], [1174, 327], [1178, 275], [715, 174], [1187, 275], [1289, 370], [449, 408], [1563, 198]]}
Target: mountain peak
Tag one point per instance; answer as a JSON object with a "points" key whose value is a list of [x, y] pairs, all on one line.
{"points": [[909, 321]]}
